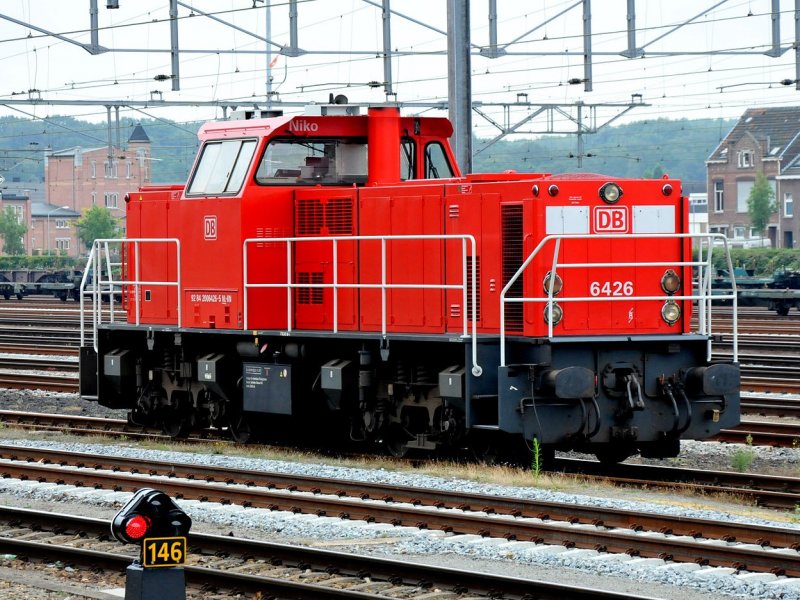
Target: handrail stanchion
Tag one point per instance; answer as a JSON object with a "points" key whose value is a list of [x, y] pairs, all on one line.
{"points": [[245, 285], [464, 284], [289, 280], [335, 286], [383, 287]]}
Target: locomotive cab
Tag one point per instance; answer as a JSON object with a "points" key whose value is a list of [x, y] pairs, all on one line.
{"points": [[333, 274]]}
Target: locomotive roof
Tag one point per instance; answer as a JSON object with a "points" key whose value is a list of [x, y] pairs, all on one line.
{"points": [[318, 126]]}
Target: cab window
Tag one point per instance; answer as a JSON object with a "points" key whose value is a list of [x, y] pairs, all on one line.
{"points": [[311, 161], [222, 167], [436, 164], [408, 162]]}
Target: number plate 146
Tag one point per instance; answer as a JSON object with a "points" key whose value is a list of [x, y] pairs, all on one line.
{"points": [[164, 552]]}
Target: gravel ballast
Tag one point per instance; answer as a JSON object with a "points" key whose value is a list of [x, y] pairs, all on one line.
{"points": [[622, 573], [575, 566]]}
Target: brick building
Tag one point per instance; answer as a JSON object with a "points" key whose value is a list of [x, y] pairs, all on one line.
{"points": [[79, 178], [764, 140]]}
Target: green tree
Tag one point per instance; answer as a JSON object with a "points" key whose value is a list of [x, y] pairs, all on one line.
{"points": [[96, 223], [760, 203], [11, 230]]}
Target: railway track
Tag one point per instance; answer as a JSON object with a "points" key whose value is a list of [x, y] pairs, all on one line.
{"points": [[216, 564], [754, 548], [763, 490]]}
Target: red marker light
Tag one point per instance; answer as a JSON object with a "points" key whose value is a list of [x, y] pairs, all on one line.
{"points": [[137, 527]]}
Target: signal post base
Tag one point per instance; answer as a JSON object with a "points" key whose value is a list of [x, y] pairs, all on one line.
{"points": [[154, 584]]}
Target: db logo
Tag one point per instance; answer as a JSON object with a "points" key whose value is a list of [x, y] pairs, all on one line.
{"points": [[610, 220], [210, 227]]}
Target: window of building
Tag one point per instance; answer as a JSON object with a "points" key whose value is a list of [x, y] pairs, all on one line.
{"points": [[93, 169], [754, 233], [788, 205], [19, 212], [128, 169], [111, 169], [94, 198], [62, 224], [738, 232], [111, 199], [719, 197], [723, 229], [62, 243], [742, 194], [745, 159]]}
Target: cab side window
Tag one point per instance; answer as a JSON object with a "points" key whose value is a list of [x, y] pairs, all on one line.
{"points": [[308, 161], [408, 162], [436, 163]]}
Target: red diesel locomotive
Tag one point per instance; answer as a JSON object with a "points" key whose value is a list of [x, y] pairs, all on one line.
{"points": [[333, 274]]}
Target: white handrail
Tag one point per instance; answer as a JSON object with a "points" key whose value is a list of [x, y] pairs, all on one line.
{"points": [[384, 285], [703, 297], [100, 252]]}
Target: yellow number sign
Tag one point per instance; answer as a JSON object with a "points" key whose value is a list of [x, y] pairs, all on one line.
{"points": [[164, 552]]}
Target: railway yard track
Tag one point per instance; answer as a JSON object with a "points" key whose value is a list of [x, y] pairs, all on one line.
{"points": [[752, 548], [219, 565], [764, 490], [771, 373]]}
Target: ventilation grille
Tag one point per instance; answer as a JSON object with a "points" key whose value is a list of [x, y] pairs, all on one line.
{"points": [[477, 315], [333, 216], [309, 217], [339, 216], [309, 295], [512, 260]]}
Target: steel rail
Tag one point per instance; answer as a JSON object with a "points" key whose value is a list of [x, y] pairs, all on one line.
{"points": [[680, 548], [517, 507], [289, 556]]}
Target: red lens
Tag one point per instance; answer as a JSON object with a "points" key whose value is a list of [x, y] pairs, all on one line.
{"points": [[137, 527]]}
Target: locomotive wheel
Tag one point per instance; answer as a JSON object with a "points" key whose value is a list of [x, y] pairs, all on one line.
{"points": [[240, 428], [483, 447], [395, 441], [176, 425], [614, 454]]}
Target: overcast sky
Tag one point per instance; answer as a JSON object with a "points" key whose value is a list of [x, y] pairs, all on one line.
{"points": [[688, 85]]}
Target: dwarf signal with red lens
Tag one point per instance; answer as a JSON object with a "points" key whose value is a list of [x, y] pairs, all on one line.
{"points": [[149, 514], [136, 527]]}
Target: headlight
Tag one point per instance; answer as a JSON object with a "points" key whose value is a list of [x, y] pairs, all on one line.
{"points": [[610, 193], [670, 312], [557, 284], [557, 313], [670, 282]]}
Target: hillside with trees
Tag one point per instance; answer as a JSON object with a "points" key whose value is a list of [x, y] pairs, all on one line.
{"points": [[639, 149], [23, 144]]}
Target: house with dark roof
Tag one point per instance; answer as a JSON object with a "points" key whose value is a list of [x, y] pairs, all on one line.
{"points": [[764, 140], [79, 178]]}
